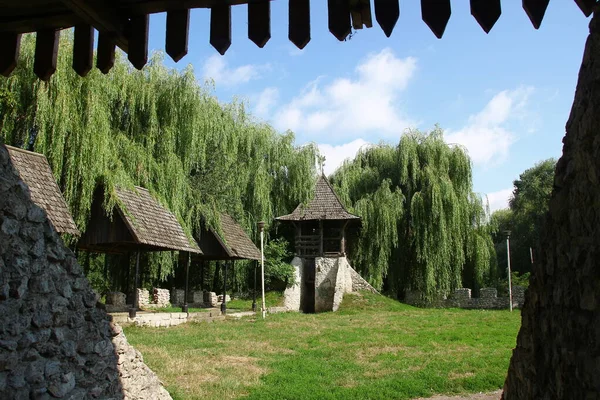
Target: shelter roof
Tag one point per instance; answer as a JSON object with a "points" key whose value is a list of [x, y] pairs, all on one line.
{"points": [[325, 205], [233, 243], [125, 23], [150, 223], [36, 173]]}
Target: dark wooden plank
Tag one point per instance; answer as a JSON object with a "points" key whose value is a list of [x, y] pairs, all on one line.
{"points": [[10, 44], [535, 10], [435, 14], [339, 18], [387, 13], [178, 25], [106, 52], [365, 6], [357, 22], [46, 51], [83, 49], [259, 22], [38, 21], [299, 22], [486, 13], [220, 28], [138, 41], [586, 6], [102, 17]]}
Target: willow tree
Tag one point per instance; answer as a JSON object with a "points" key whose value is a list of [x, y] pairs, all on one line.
{"points": [[157, 128], [422, 224]]}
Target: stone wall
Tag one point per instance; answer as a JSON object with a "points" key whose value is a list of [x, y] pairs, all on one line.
{"points": [[326, 269], [461, 298], [292, 296], [54, 340], [558, 347], [161, 297]]}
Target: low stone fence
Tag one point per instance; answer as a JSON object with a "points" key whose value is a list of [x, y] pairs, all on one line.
{"points": [[461, 298], [158, 319]]}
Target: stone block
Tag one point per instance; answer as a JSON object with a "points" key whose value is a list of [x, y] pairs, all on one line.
{"points": [[117, 299]]}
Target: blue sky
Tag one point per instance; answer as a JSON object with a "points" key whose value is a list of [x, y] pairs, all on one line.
{"points": [[505, 95]]}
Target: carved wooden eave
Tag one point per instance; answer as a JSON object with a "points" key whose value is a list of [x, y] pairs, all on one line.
{"points": [[125, 23]]}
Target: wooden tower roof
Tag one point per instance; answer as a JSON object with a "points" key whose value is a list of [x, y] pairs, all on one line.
{"points": [[125, 23], [325, 205], [36, 173]]}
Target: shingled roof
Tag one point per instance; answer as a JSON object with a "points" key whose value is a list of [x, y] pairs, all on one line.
{"points": [[232, 244], [325, 205], [36, 173], [139, 224], [152, 224]]}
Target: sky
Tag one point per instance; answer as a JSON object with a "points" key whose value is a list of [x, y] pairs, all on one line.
{"points": [[505, 96]]}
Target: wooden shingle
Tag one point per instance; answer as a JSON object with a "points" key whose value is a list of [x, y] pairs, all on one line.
{"points": [[325, 205], [36, 173]]}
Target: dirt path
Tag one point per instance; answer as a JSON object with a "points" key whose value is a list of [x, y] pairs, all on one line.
{"points": [[478, 396]]}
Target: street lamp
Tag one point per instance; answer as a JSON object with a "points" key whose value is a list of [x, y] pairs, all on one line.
{"points": [[510, 301], [261, 227]]}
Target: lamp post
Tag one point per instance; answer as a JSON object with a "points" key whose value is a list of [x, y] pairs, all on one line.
{"points": [[510, 305], [261, 227]]}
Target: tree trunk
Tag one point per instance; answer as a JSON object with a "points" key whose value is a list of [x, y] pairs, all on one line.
{"points": [[558, 348]]}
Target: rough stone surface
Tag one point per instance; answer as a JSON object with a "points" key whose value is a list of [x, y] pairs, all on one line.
{"points": [[326, 269], [292, 294], [143, 298], [161, 297], [461, 298], [54, 341], [558, 347]]}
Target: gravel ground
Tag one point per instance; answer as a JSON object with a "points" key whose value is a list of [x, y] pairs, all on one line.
{"points": [[479, 396]]}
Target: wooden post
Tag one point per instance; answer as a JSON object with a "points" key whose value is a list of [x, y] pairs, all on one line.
{"points": [[184, 308], [343, 244], [321, 238], [133, 310]]}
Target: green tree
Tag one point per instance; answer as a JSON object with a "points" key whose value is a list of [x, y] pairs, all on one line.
{"points": [[421, 224], [524, 217]]}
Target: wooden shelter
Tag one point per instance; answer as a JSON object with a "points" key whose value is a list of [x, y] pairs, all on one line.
{"points": [[125, 23], [321, 225], [139, 224], [231, 243], [34, 170]]}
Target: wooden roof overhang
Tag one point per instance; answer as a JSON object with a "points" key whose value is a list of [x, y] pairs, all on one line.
{"points": [[140, 223], [231, 244], [125, 23], [34, 170]]}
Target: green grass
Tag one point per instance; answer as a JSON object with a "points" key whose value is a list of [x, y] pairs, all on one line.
{"points": [[372, 348], [272, 299]]}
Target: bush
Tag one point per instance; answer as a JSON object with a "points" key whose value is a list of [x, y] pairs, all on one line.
{"points": [[279, 273]]}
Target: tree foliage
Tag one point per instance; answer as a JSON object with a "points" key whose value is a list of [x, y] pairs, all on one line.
{"points": [[524, 217], [422, 225], [157, 128]]}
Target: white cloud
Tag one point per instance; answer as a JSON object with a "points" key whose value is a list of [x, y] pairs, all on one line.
{"points": [[336, 155], [266, 100], [352, 107], [216, 68], [499, 200], [487, 134]]}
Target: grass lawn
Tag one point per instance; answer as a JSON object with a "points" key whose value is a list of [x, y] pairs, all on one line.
{"points": [[372, 348], [272, 299]]}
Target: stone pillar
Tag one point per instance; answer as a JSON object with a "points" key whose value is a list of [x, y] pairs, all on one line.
{"points": [[558, 347]]}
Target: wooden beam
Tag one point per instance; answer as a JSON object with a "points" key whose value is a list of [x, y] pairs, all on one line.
{"points": [[259, 23], [586, 6], [106, 52], [37, 22], [339, 18], [138, 43], [178, 24], [387, 13], [486, 13], [100, 14], [435, 14], [46, 52], [535, 10], [220, 28], [83, 49], [10, 43], [299, 22]]}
